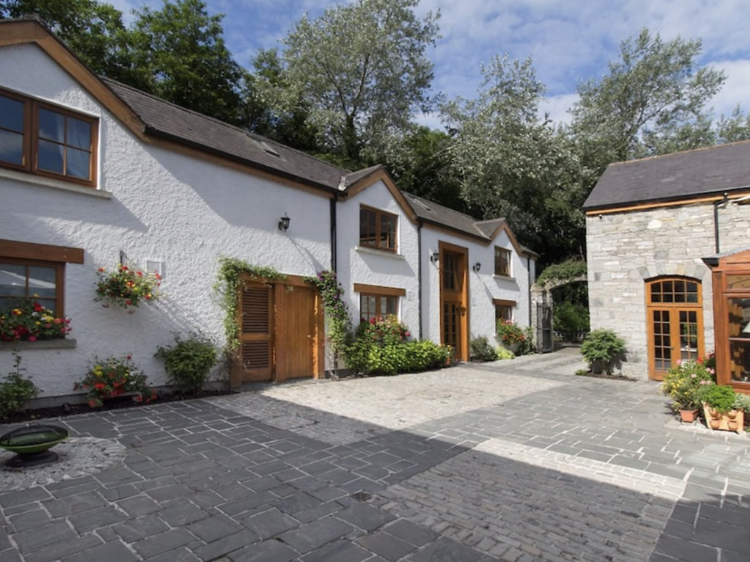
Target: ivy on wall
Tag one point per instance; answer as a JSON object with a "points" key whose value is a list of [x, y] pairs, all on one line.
{"points": [[563, 271], [230, 279], [340, 322]]}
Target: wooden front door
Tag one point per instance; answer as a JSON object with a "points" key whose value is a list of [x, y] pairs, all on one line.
{"points": [[296, 333], [454, 321], [256, 332], [675, 323]]}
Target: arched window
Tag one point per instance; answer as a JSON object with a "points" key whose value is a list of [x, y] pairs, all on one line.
{"points": [[675, 322]]}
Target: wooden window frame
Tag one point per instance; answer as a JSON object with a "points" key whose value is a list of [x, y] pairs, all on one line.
{"points": [[378, 214], [500, 303], [378, 292], [43, 255], [59, 268], [30, 163], [509, 261]]}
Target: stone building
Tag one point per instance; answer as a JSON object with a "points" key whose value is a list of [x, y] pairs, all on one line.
{"points": [[655, 230]]}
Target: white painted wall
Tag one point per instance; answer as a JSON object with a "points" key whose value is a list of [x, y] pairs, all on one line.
{"points": [[373, 267], [163, 206], [483, 286]]}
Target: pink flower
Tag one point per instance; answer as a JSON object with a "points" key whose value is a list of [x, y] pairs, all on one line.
{"points": [[693, 376]]}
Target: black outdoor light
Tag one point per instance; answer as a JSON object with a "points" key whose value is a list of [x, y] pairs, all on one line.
{"points": [[476, 267], [284, 222], [434, 257]]}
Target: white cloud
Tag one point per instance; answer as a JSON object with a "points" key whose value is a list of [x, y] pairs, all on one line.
{"points": [[736, 89], [556, 107]]}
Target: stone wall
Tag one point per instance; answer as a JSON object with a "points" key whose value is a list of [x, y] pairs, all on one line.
{"points": [[626, 249]]}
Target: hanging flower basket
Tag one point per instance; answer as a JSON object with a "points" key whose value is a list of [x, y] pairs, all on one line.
{"points": [[126, 287]]}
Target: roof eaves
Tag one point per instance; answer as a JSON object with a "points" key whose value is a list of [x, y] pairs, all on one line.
{"points": [[687, 198]]}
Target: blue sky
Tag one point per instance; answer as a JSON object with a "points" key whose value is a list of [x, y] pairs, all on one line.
{"points": [[569, 41]]}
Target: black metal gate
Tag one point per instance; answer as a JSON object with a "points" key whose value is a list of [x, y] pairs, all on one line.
{"points": [[545, 342]]}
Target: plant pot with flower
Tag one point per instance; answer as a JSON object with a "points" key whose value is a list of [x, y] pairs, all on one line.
{"points": [[511, 335], [26, 319], [719, 408], [683, 383], [126, 287]]}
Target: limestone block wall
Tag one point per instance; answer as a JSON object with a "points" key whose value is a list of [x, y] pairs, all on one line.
{"points": [[626, 249]]}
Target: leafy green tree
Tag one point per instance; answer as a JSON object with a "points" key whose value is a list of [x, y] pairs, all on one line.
{"points": [[362, 71], [182, 57], [734, 128], [93, 30], [288, 125], [511, 165], [652, 101]]}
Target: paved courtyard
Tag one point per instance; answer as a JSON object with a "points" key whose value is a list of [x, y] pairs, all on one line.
{"points": [[516, 461]]}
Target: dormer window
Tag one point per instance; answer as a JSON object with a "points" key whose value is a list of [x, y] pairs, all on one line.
{"points": [[46, 140]]}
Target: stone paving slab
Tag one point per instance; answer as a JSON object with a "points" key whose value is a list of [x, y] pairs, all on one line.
{"points": [[593, 467]]}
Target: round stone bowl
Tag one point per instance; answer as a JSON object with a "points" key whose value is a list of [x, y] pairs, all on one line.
{"points": [[32, 443]]}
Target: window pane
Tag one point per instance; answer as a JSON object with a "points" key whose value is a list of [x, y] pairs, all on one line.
{"points": [[42, 281], [50, 157], [11, 147], [12, 280], [77, 163], [739, 353], [51, 125], [390, 308], [48, 303], [387, 231], [79, 133], [739, 318], [738, 281], [367, 227], [11, 114]]}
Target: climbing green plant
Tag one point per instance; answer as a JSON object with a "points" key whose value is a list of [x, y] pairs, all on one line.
{"points": [[230, 279], [332, 293], [563, 271]]}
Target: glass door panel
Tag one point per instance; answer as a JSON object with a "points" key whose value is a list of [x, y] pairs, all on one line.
{"points": [[688, 334], [662, 344]]}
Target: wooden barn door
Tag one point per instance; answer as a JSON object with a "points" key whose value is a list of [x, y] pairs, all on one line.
{"points": [[281, 333], [256, 332]]}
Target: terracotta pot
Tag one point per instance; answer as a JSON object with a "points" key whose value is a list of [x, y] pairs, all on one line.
{"points": [[715, 424], [731, 421], [688, 416]]}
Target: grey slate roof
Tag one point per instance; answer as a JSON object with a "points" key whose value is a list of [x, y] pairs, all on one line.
{"points": [[672, 177], [432, 213], [211, 135]]}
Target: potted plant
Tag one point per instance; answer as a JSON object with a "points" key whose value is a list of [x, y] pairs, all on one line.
{"points": [[719, 407], [682, 384], [126, 287]]}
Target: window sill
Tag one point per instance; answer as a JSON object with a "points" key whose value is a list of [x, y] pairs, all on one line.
{"points": [[66, 343], [504, 277], [384, 253], [50, 183]]}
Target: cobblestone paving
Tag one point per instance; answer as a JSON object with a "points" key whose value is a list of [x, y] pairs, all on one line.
{"points": [[519, 461]]}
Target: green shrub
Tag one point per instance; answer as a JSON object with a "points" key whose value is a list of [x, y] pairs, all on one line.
{"points": [[503, 354], [16, 390], [570, 319], [510, 333], [601, 349], [188, 362], [527, 346], [481, 350], [718, 397], [582, 372], [742, 402]]}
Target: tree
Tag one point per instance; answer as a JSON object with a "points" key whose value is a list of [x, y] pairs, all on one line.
{"points": [[291, 125], [93, 30], [362, 71], [182, 58], [734, 128], [512, 165], [650, 102]]}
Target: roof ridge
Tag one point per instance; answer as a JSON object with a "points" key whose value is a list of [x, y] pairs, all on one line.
{"points": [[679, 153]]}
